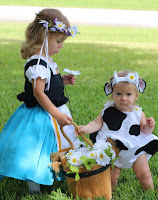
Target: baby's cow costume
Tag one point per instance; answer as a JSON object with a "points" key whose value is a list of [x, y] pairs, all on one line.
{"points": [[124, 128]]}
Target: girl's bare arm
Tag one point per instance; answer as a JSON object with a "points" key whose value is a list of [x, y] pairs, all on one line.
{"points": [[45, 103]]}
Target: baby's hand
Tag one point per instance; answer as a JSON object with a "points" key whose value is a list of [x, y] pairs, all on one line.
{"points": [[82, 129], [151, 122]]}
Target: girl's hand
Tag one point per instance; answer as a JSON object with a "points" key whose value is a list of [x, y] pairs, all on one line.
{"points": [[151, 122], [63, 119], [69, 79], [45, 103]]}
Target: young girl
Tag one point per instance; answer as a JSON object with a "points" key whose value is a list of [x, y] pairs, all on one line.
{"points": [[33, 132], [126, 124]]}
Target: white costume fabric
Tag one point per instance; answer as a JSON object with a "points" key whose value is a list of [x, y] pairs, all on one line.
{"points": [[124, 128]]}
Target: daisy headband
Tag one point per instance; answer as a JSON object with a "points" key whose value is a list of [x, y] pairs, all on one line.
{"points": [[59, 27], [53, 26], [130, 78]]}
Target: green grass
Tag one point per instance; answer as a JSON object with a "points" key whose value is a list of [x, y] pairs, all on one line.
{"points": [[116, 4], [96, 52], [92, 34]]}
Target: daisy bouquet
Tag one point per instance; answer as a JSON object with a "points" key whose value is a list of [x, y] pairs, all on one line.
{"points": [[83, 155]]}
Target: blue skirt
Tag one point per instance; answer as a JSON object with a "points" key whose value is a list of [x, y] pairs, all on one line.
{"points": [[26, 143]]}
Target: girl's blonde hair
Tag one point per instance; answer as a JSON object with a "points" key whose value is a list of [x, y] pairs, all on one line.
{"points": [[35, 32]]}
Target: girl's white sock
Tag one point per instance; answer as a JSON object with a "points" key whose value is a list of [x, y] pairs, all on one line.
{"points": [[33, 187]]}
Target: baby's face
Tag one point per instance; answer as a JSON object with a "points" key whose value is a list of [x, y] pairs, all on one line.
{"points": [[124, 95]]}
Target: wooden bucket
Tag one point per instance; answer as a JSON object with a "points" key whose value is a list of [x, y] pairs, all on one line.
{"points": [[93, 183]]}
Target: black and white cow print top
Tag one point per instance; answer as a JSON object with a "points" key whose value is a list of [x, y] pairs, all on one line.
{"points": [[124, 128]]}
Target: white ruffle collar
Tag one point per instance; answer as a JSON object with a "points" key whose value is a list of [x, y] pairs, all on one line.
{"points": [[111, 104], [52, 65]]}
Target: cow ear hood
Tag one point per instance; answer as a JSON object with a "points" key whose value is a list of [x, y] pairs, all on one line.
{"points": [[108, 88]]}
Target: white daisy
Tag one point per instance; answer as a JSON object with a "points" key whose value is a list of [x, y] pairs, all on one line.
{"points": [[69, 153], [136, 108], [102, 159], [132, 78], [92, 154], [73, 30], [74, 159], [72, 72], [101, 144], [60, 26]]}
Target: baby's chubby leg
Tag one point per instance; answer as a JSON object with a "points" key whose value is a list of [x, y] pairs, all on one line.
{"points": [[142, 171], [115, 173]]}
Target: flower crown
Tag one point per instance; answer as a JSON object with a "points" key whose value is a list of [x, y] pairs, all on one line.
{"points": [[130, 78], [59, 27]]}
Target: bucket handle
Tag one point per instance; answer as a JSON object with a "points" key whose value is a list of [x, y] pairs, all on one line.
{"points": [[81, 134]]}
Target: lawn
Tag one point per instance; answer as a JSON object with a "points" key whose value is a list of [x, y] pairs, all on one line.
{"points": [[96, 52], [117, 4]]}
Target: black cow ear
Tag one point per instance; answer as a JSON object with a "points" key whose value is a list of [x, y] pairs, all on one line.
{"points": [[142, 85], [108, 88]]}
